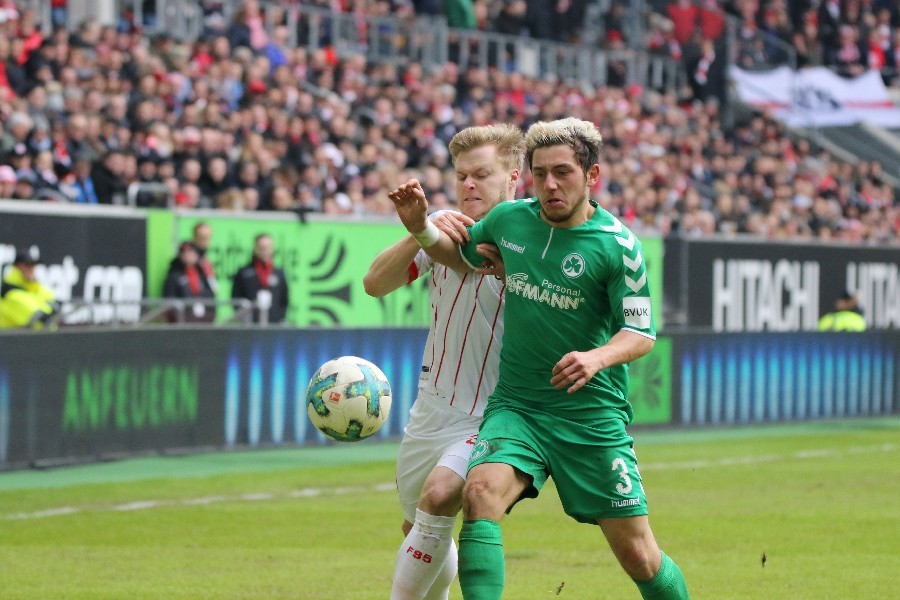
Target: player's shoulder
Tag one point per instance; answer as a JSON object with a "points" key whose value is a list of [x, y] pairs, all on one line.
{"points": [[513, 210], [610, 230], [522, 204]]}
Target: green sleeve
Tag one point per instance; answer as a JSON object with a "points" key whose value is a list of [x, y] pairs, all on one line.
{"points": [[482, 231], [629, 290]]}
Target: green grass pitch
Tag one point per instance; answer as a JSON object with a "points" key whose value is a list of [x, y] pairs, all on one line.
{"points": [[820, 500]]}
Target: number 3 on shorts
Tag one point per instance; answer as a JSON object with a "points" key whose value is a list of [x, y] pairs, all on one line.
{"points": [[623, 488]]}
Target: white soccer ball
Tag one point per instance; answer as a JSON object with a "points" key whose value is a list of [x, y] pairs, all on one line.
{"points": [[348, 399]]}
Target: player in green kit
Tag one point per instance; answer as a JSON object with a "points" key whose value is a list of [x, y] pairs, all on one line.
{"points": [[577, 312]]}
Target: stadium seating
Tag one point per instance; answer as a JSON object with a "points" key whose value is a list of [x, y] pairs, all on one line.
{"points": [[316, 110]]}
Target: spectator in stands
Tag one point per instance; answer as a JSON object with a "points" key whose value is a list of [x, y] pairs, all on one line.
{"points": [[83, 185], [26, 181], [706, 70], [807, 44], [512, 18], [660, 37], [776, 31], [76, 140], [13, 80], [59, 13], [101, 89], [247, 27], [231, 200], [828, 20], [214, 181], [188, 196], [47, 184], [7, 182], [202, 238], [15, 139], [711, 19], [40, 139], [848, 58], [263, 283], [684, 15], [248, 176], [108, 178], [846, 315], [149, 177], [24, 302], [19, 158], [185, 280]]}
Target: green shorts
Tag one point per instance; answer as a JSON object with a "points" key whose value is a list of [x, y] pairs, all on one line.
{"points": [[593, 466]]}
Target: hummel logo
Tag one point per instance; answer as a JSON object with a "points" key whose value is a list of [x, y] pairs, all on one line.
{"points": [[514, 247], [626, 502]]}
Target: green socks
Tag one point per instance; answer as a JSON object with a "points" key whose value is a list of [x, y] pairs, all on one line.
{"points": [[667, 584], [482, 570]]}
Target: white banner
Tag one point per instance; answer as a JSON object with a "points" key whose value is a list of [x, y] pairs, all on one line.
{"points": [[817, 97]]}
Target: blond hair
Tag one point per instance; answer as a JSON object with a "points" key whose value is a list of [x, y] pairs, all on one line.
{"points": [[581, 136], [507, 138]]}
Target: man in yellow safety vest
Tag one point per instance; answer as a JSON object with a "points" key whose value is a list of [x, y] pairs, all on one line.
{"points": [[25, 303]]}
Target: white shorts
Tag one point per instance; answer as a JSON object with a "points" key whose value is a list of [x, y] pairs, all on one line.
{"points": [[436, 435]]}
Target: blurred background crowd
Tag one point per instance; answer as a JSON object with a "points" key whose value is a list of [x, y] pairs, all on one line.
{"points": [[253, 115]]}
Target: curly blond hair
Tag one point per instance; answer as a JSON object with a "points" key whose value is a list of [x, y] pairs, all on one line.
{"points": [[581, 136]]}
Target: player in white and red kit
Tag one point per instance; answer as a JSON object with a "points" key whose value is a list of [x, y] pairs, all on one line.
{"points": [[459, 364]]}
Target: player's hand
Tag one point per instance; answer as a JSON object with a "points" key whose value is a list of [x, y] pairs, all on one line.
{"points": [[454, 224], [574, 370], [412, 207], [493, 261]]}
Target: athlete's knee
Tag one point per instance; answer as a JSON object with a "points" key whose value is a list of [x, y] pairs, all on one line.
{"points": [[406, 527], [639, 560], [441, 499], [481, 501]]}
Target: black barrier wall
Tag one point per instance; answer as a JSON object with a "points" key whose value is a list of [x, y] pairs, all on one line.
{"points": [[87, 395], [101, 259], [760, 285]]}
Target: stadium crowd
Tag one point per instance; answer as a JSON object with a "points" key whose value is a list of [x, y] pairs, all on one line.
{"points": [[849, 36], [240, 121]]}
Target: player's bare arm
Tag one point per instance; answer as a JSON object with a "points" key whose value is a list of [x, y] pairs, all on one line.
{"points": [[412, 208], [390, 269], [577, 368]]}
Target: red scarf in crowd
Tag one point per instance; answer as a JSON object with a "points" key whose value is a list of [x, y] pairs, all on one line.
{"points": [[263, 272], [193, 277]]}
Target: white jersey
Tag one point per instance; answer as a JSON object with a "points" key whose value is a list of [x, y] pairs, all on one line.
{"points": [[462, 353]]}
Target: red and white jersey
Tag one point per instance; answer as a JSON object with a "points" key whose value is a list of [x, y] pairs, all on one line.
{"points": [[462, 353]]}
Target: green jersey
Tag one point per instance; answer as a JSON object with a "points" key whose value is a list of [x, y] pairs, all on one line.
{"points": [[566, 290]]}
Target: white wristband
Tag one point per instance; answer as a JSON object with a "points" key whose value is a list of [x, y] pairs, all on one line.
{"points": [[429, 236]]}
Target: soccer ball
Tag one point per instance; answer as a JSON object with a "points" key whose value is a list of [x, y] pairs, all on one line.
{"points": [[348, 399]]}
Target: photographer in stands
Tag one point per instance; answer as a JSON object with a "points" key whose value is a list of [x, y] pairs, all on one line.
{"points": [[25, 303]]}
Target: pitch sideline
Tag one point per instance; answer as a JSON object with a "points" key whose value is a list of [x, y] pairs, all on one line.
{"points": [[811, 454]]}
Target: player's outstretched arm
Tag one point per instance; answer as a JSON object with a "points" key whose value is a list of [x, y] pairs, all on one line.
{"points": [[390, 269], [577, 368], [412, 208]]}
